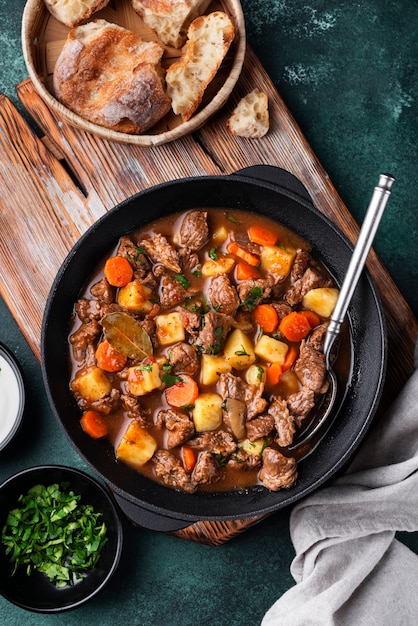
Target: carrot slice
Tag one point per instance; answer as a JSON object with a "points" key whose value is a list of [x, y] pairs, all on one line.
{"points": [[312, 318], [182, 393], [290, 358], [245, 271], [262, 236], [93, 424], [118, 271], [295, 326], [189, 458], [266, 316], [242, 253], [108, 358], [273, 374]]}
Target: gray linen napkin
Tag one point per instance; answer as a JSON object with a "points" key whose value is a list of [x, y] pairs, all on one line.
{"points": [[349, 568]]}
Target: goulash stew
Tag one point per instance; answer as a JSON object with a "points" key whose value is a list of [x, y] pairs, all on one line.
{"points": [[197, 349]]}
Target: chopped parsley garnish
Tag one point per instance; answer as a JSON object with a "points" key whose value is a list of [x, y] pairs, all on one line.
{"points": [[182, 280], [54, 533], [146, 367], [213, 254], [253, 297], [231, 218], [241, 352], [169, 380]]}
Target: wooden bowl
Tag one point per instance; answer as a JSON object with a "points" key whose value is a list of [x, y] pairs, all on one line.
{"points": [[43, 38]]}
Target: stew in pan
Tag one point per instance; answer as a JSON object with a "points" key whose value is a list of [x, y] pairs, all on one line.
{"points": [[196, 349]]}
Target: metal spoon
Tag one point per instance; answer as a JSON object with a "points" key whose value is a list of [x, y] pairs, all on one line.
{"points": [[368, 230]]}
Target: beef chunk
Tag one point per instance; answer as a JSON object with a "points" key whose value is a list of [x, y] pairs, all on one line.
{"points": [[160, 250], [134, 410], [244, 241], [179, 425], [171, 291], [300, 264], [222, 295], [103, 291], [311, 279], [278, 471], [191, 320], [282, 309], [260, 427], [301, 402], [283, 421], [253, 291], [231, 386], [84, 337], [189, 260], [206, 469], [183, 358], [317, 336], [171, 472], [194, 231], [136, 257], [220, 443], [244, 321], [310, 367], [211, 338]]}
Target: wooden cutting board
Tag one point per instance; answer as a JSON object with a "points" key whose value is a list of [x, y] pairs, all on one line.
{"points": [[54, 184]]}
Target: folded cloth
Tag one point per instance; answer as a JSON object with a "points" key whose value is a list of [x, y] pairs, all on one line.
{"points": [[349, 567]]}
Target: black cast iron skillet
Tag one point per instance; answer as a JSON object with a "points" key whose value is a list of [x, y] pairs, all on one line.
{"points": [[262, 190]]}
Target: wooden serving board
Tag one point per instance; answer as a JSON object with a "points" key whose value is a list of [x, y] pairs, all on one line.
{"points": [[53, 188]]}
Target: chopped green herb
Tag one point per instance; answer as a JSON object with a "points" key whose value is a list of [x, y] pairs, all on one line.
{"points": [[146, 367], [231, 218], [187, 407], [253, 297], [54, 533], [260, 372], [219, 331], [169, 380], [241, 352], [182, 280], [213, 254]]}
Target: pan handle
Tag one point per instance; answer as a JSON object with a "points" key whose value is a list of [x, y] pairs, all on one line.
{"points": [[277, 176], [148, 519]]}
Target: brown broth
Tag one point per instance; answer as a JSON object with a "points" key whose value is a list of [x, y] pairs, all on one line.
{"points": [[155, 401]]}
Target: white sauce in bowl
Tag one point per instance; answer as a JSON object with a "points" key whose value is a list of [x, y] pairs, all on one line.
{"points": [[11, 398]]}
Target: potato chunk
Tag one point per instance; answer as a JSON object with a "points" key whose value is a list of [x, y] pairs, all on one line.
{"points": [[254, 447], [277, 260], [91, 384], [207, 412], [212, 367], [271, 350], [169, 328], [239, 350], [321, 300], [136, 446], [256, 375], [135, 297], [144, 378], [221, 265]]}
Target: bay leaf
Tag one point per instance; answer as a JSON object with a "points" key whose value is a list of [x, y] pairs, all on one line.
{"points": [[126, 335]]}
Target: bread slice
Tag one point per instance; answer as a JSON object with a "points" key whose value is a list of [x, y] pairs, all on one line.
{"points": [[109, 76], [250, 118], [170, 18], [72, 12], [208, 40]]}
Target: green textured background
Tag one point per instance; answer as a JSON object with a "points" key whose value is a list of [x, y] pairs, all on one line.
{"points": [[348, 73]]}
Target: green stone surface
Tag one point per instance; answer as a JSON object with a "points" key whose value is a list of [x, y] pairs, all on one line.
{"points": [[348, 73]]}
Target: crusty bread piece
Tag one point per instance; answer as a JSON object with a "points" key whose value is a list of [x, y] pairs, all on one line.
{"points": [[72, 12], [250, 118], [208, 41], [170, 18], [109, 76]]}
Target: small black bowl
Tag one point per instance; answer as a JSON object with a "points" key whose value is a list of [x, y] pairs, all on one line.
{"points": [[35, 592]]}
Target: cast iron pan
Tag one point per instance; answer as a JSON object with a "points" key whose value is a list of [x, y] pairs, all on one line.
{"points": [[261, 189]]}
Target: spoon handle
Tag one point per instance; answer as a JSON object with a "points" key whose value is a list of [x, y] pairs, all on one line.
{"points": [[368, 230]]}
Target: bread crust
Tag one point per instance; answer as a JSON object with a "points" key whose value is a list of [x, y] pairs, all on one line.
{"points": [[170, 19], [111, 77], [72, 12], [208, 40]]}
